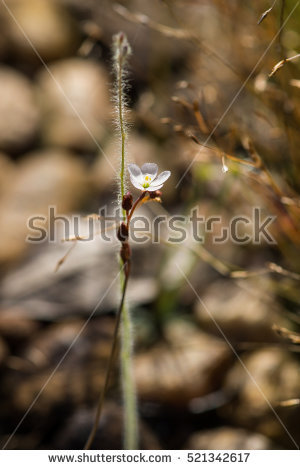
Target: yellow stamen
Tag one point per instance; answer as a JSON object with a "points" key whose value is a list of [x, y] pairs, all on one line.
{"points": [[147, 181]]}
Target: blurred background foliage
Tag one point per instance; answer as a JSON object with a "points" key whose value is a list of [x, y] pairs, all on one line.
{"points": [[216, 354]]}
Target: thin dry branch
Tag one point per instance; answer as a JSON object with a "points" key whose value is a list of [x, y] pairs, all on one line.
{"points": [[289, 336], [63, 259], [265, 13], [281, 63], [140, 18], [284, 272], [290, 402]]}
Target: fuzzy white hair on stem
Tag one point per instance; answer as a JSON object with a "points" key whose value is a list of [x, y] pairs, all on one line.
{"points": [[121, 53]]}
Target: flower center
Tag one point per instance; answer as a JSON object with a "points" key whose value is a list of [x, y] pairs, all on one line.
{"points": [[147, 181]]}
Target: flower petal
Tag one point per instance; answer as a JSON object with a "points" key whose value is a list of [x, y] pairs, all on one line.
{"points": [[136, 183], [161, 178], [150, 169], [134, 170], [154, 188]]}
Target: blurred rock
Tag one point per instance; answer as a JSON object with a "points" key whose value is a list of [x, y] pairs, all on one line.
{"points": [[103, 171], [64, 366], [81, 336], [87, 281], [81, 349], [14, 325], [7, 170], [228, 438], [3, 350], [19, 115], [271, 376], [41, 24], [75, 104], [42, 179], [109, 434], [3, 41], [192, 364], [242, 315]]}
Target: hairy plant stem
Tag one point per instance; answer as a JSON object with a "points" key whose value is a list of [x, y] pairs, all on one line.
{"points": [[122, 129], [128, 385], [110, 361], [121, 52]]}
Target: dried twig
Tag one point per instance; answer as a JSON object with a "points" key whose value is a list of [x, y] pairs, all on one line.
{"points": [[290, 402], [63, 259], [286, 334], [265, 13], [281, 63]]}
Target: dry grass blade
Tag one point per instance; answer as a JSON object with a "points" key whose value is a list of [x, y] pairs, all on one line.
{"points": [[288, 201], [286, 334], [88, 237], [184, 103], [200, 119], [265, 13], [77, 238], [294, 82], [291, 402], [284, 272], [140, 18], [282, 62], [63, 259], [277, 67], [247, 274], [270, 268]]}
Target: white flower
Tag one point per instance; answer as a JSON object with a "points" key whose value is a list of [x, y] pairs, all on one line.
{"points": [[145, 178]]}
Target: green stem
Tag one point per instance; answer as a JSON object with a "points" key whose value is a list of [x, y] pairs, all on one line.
{"points": [[128, 385], [122, 130], [123, 316], [129, 395]]}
